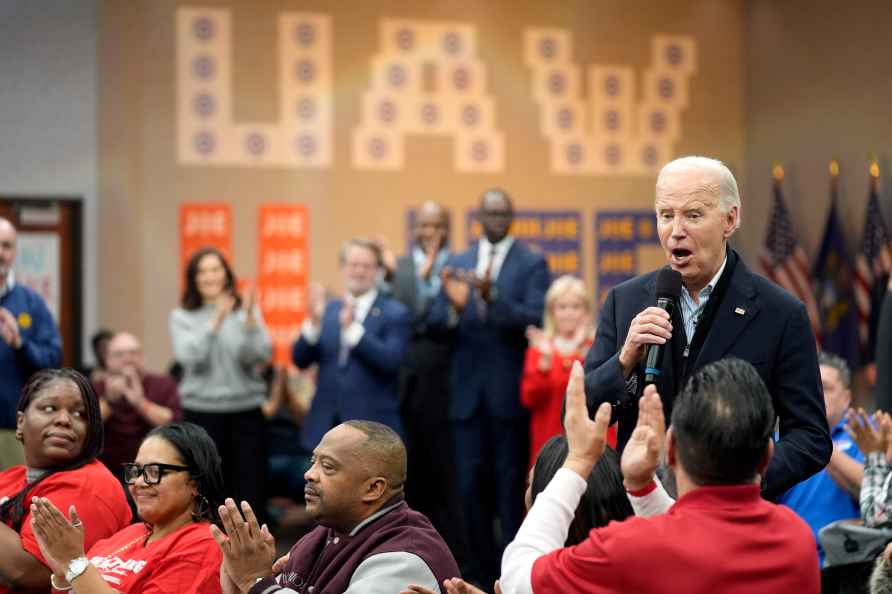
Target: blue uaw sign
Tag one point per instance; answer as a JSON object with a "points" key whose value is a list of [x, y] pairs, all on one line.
{"points": [[620, 237], [557, 233]]}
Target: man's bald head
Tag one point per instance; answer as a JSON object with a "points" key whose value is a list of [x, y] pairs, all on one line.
{"points": [[431, 226], [7, 248], [381, 452]]}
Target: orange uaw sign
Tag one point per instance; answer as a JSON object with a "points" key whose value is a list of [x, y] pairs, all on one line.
{"points": [[204, 225], [282, 272]]}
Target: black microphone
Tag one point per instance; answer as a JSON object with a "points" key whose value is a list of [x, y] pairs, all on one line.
{"points": [[668, 292]]}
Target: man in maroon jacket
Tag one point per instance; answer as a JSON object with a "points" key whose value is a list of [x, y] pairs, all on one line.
{"points": [[368, 541]]}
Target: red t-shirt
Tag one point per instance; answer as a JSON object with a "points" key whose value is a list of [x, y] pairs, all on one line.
{"points": [[542, 393], [95, 493], [185, 562]]}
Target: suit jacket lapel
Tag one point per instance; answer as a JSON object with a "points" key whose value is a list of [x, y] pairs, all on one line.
{"points": [[736, 311], [373, 317]]}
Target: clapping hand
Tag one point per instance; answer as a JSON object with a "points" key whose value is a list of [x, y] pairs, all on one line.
{"points": [[317, 298], [60, 540], [225, 305], [457, 285], [866, 431], [9, 329], [452, 586], [586, 438], [642, 453], [249, 550], [537, 339]]}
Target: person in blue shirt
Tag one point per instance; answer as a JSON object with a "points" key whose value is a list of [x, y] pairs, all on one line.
{"points": [[29, 342], [832, 494]]}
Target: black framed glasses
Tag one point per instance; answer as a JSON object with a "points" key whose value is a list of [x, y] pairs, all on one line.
{"points": [[151, 473]]}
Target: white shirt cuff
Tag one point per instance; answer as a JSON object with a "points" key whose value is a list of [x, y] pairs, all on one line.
{"points": [[352, 334], [310, 331], [653, 504], [544, 530]]}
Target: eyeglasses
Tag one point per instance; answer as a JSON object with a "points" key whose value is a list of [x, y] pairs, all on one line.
{"points": [[151, 473]]}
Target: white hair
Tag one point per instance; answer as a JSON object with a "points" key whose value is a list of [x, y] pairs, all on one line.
{"points": [[727, 186]]}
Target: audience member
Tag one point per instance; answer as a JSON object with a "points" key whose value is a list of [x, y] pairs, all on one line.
{"points": [[29, 341], [220, 341], [724, 310], [60, 427], [424, 379], [369, 541], [132, 400], [566, 336], [490, 294], [831, 494], [290, 396], [603, 501], [358, 342], [99, 343], [874, 438], [177, 482], [720, 536]]}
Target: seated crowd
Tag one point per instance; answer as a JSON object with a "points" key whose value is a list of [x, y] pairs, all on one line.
{"points": [[451, 423]]}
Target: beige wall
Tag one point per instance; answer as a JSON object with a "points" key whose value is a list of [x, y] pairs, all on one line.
{"points": [[141, 185], [817, 88]]}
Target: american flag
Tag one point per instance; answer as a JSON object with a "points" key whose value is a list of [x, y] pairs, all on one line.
{"points": [[872, 264], [785, 263]]}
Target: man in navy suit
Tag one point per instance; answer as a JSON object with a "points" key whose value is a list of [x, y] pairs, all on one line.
{"points": [[724, 310], [358, 342], [490, 294]]}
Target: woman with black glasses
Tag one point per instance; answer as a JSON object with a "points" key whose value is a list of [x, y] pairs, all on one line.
{"points": [[177, 485]]}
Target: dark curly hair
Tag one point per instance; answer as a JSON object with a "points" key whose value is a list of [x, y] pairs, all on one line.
{"points": [[192, 298], [199, 453], [12, 512]]}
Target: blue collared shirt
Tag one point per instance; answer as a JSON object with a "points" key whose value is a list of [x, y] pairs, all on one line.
{"points": [[691, 311]]}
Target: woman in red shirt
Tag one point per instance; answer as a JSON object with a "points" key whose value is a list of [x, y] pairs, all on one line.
{"points": [[566, 336], [177, 484], [60, 427]]}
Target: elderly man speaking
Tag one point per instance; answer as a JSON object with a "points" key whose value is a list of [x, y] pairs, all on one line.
{"points": [[723, 310]]}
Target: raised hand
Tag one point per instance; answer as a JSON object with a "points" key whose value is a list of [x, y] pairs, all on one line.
{"points": [[225, 305], [586, 438], [9, 329], [866, 433], [347, 314], [642, 453], [249, 550], [250, 314], [457, 286], [651, 326], [60, 539], [317, 298]]}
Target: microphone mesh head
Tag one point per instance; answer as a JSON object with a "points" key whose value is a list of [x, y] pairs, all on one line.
{"points": [[668, 283]]}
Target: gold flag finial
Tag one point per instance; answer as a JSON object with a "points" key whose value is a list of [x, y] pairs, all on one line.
{"points": [[777, 171], [834, 168], [874, 169]]}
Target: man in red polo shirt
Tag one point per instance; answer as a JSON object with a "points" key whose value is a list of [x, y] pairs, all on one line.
{"points": [[719, 536]]}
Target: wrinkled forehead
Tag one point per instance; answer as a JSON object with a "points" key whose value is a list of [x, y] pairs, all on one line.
{"points": [[684, 187]]}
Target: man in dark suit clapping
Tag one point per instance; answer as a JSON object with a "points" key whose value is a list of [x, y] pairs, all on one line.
{"points": [[491, 293], [724, 310], [358, 342]]}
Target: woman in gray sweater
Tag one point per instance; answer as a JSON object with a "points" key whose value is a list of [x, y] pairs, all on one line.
{"points": [[222, 346]]}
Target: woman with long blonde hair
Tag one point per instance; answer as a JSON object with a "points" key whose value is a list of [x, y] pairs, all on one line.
{"points": [[567, 333]]}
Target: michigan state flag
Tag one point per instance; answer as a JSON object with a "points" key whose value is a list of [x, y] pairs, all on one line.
{"points": [[833, 280]]}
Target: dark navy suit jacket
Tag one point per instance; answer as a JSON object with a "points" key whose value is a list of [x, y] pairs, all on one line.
{"points": [[365, 386], [490, 341], [773, 333]]}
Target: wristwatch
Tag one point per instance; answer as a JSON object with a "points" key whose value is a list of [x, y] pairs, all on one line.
{"points": [[76, 567]]}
